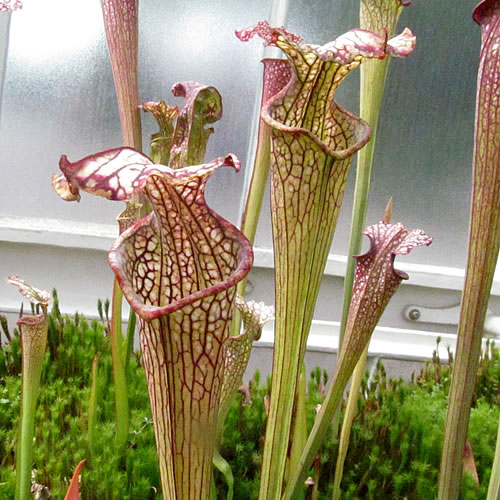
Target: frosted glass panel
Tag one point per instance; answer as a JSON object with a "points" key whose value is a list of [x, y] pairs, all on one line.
{"points": [[59, 98], [424, 149], [59, 95]]}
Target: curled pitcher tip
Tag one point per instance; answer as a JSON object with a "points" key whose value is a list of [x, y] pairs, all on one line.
{"points": [[34, 295], [484, 10]]}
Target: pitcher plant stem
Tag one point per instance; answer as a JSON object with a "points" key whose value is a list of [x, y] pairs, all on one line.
{"points": [[483, 248]]}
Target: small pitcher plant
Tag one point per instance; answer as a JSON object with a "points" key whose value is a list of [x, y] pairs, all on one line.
{"points": [[33, 340], [375, 282]]}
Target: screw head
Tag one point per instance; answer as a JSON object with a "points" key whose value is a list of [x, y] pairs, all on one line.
{"points": [[414, 314]]}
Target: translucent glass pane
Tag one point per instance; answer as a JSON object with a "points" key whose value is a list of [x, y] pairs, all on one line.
{"points": [[59, 95], [59, 99]]}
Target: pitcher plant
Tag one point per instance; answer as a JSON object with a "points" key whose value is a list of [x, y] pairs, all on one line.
{"points": [[177, 268], [313, 141]]}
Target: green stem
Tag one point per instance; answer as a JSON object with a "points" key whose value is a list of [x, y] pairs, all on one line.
{"points": [[350, 413], [225, 469], [299, 433], [92, 415], [494, 486], [317, 471], [129, 342], [213, 490], [318, 432], [373, 76], [254, 203], [34, 340], [119, 377], [257, 185]]}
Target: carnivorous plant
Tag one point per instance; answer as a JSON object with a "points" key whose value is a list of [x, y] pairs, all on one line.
{"points": [[177, 268], [375, 282], [33, 330], [484, 244], [313, 141]]}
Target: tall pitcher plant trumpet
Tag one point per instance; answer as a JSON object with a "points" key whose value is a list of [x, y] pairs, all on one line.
{"points": [[313, 141], [177, 268]]}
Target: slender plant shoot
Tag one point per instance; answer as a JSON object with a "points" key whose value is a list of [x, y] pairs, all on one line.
{"points": [[33, 341], [484, 243]]}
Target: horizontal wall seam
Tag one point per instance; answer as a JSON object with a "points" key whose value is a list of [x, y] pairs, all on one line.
{"points": [[387, 342], [93, 236]]}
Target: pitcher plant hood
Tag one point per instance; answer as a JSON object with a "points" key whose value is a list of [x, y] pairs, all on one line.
{"points": [[376, 280], [211, 255]]}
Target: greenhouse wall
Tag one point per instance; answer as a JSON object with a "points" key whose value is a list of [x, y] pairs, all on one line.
{"points": [[57, 97]]}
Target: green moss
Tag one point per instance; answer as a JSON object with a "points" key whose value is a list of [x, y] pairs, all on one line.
{"points": [[395, 446], [61, 418], [394, 451]]}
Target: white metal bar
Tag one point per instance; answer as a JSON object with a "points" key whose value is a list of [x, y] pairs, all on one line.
{"points": [[86, 235]]}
